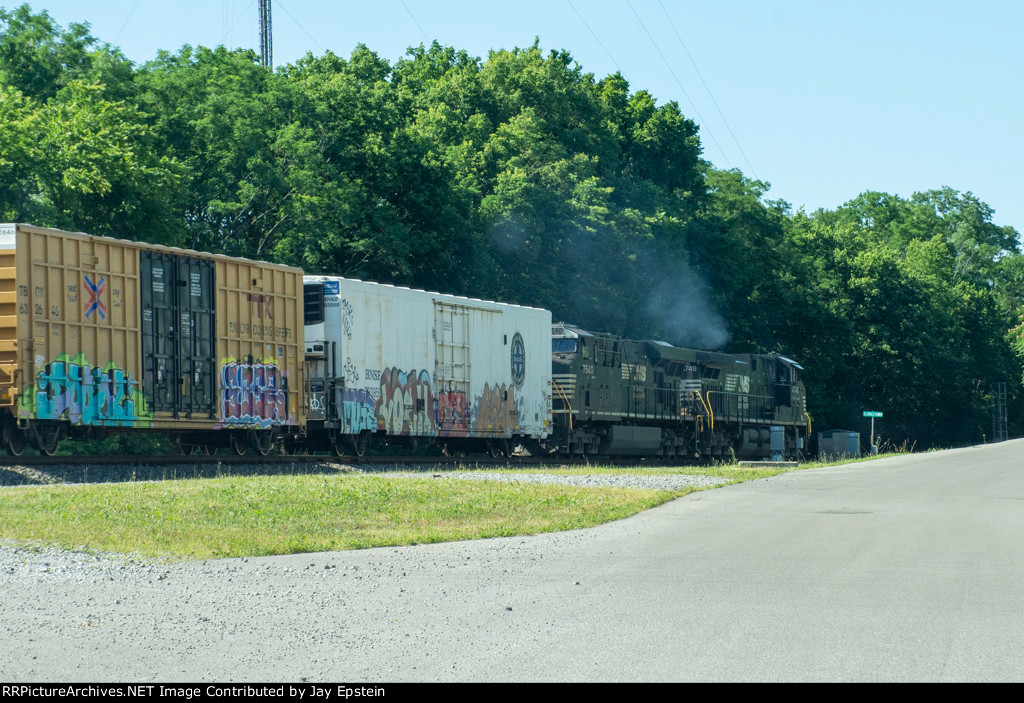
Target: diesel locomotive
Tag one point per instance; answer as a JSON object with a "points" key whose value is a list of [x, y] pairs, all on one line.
{"points": [[622, 397]]}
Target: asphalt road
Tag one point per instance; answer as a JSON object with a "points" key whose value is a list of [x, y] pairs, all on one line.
{"points": [[901, 569]]}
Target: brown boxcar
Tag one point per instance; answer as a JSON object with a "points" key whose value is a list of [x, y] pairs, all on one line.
{"points": [[99, 334]]}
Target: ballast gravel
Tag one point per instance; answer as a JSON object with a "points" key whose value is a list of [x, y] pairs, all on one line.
{"points": [[667, 483]]}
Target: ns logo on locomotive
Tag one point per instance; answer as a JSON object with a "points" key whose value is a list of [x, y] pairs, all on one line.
{"points": [[100, 335]]}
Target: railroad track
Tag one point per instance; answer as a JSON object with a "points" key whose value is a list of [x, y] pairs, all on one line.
{"points": [[105, 469], [202, 459]]}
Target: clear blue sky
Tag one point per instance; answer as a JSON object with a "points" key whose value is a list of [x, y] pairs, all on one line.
{"points": [[822, 99]]}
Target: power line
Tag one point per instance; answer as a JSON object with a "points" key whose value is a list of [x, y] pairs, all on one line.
{"points": [[680, 84], [292, 18], [594, 35], [715, 102], [237, 20], [126, 20], [425, 39]]}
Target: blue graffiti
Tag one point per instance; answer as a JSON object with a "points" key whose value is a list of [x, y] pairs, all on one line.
{"points": [[89, 396], [357, 411]]}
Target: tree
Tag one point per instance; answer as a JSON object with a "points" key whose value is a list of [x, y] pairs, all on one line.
{"points": [[39, 58]]}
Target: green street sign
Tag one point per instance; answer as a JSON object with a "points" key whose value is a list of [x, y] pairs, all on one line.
{"points": [[872, 413]]}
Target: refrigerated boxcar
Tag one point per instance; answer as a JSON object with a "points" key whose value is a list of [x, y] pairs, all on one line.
{"points": [[100, 334], [390, 362]]}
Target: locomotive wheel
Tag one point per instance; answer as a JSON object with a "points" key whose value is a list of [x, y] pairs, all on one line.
{"points": [[238, 444], [340, 445], [263, 440], [48, 436], [359, 443], [494, 448], [14, 440]]}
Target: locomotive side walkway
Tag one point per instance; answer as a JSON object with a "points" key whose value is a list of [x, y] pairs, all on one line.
{"points": [[901, 569]]}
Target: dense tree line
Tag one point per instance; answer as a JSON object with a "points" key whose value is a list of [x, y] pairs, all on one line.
{"points": [[518, 178]]}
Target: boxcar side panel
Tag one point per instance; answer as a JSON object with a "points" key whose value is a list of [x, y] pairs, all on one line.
{"points": [[78, 330], [259, 345]]}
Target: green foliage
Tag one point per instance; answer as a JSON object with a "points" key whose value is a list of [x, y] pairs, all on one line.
{"points": [[911, 290], [520, 178]]}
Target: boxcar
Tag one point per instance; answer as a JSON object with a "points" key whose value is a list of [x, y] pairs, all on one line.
{"points": [[100, 334], [390, 362]]}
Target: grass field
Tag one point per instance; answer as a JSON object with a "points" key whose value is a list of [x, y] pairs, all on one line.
{"points": [[263, 515]]}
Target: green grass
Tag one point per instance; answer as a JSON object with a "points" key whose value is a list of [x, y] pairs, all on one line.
{"points": [[262, 515], [732, 472]]}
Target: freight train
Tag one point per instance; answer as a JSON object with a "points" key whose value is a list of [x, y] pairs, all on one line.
{"points": [[100, 335]]}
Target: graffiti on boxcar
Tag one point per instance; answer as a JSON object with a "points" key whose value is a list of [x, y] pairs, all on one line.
{"points": [[351, 372], [346, 318], [75, 390], [358, 411], [496, 409], [260, 305], [253, 393], [453, 415], [406, 403]]}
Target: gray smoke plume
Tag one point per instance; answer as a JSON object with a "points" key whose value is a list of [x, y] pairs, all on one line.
{"points": [[679, 306], [608, 282]]}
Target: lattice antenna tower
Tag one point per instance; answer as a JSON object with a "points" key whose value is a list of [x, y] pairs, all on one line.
{"points": [[266, 35]]}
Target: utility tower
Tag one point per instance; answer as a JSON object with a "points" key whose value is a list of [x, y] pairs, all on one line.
{"points": [[266, 35]]}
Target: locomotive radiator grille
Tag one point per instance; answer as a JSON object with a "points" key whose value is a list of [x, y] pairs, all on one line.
{"points": [[566, 380], [565, 385]]}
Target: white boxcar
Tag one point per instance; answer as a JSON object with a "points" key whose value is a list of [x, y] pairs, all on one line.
{"points": [[397, 361]]}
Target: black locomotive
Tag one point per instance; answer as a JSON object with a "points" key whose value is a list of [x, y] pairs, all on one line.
{"points": [[621, 397]]}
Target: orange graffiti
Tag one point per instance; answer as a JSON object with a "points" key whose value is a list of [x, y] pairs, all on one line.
{"points": [[406, 403], [497, 411]]}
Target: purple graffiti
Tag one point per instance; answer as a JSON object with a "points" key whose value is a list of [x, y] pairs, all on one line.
{"points": [[252, 394]]}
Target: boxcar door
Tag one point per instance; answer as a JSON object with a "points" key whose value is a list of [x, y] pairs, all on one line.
{"points": [[196, 361], [452, 372], [178, 348], [159, 330]]}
